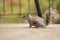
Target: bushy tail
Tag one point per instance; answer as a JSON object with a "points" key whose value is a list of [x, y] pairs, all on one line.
{"points": [[51, 15]]}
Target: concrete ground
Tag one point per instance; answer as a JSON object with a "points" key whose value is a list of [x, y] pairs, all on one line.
{"points": [[23, 32]]}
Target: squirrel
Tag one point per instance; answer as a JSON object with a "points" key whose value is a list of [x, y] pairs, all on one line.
{"points": [[35, 21], [39, 21]]}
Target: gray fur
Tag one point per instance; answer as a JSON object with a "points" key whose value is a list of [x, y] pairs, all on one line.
{"points": [[37, 22]]}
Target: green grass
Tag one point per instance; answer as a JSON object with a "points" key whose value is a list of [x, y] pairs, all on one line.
{"points": [[12, 19], [58, 21], [18, 19]]}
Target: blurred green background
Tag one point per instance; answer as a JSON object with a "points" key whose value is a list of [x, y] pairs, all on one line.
{"points": [[8, 18]]}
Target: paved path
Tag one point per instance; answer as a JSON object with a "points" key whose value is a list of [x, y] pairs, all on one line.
{"points": [[22, 32], [25, 25]]}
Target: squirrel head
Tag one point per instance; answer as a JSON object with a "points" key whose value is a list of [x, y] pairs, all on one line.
{"points": [[26, 16]]}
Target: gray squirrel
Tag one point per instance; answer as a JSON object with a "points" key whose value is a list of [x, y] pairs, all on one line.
{"points": [[40, 22], [35, 21]]}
